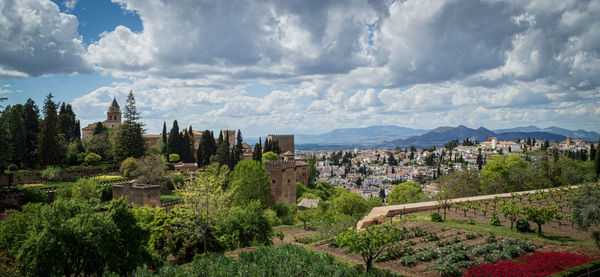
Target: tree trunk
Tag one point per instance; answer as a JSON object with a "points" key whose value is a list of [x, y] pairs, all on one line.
{"points": [[539, 228], [369, 264]]}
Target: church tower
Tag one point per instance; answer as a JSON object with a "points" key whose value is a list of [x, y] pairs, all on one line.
{"points": [[113, 116]]}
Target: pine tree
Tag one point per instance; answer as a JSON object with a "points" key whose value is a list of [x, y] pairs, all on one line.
{"points": [[16, 127], [130, 142], [31, 115], [49, 150], [5, 138]]}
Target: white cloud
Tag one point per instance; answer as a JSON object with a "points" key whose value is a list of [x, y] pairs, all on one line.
{"points": [[70, 4], [37, 39]]}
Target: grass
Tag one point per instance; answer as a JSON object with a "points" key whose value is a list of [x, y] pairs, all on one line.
{"points": [[503, 231], [165, 198]]}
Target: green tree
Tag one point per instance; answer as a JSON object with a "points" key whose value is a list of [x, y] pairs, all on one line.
{"points": [[350, 204], [538, 215], [257, 152], [511, 211], [250, 181], [206, 202], [238, 153], [597, 161], [585, 209], [130, 142], [16, 126], [407, 192], [49, 147], [206, 148], [92, 158], [5, 146], [31, 115], [269, 156], [151, 169], [245, 226], [371, 242], [506, 173], [461, 183], [164, 136]]}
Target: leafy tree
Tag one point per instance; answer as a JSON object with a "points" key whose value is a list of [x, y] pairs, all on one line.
{"points": [[539, 215], [101, 143], [250, 181], [49, 147], [461, 183], [269, 156], [245, 226], [206, 201], [206, 148], [128, 167], [371, 242], [506, 173], [5, 146], [257, 153], [16, 127], [407, 192], [382, 194], [350, 204], [92, 158], [451, 144], [151, 169], [307, 216], [511, 211], [585, 209], [130, 142], [67, 123]]}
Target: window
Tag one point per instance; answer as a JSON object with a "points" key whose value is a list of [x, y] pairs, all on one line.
{"points": [[273, 182], [289, 181]]}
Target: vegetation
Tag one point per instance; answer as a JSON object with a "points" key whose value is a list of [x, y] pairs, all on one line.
{"points": [[369, 243], [407, 192], [129, 141], [586, 210]]}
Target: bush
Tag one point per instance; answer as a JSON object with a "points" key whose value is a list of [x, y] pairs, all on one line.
{"points": [[245, 226], [436, 217], [34, 196], [51, 173], [471, 221], [271, 216], [523, 225], [86, 189], [174, 158], [92, 159], [495, 221], [12, 167], [128, 166]]}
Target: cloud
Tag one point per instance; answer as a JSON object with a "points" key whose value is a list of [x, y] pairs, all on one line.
{"points": [[70, 4], [37, 39]]}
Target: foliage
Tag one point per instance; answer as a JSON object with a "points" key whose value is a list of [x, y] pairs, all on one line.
{"points": [[269, 156], [495, 221], [51, 173], [461, 183], [245, 226], [92, 159], [313, 173], [50, 150], [128, 167], [511, 211], [285, 212], [129, 142], [174, 158], [264, 261], [71, 238], [506, 173], [370, 242], [206, 148], [86, 189], [350, 204], [585, 208], [523, 225], [539, 215], [271, 217], [436, 217], [250, 181], [206, 202], [407, 192], [150, 169], [34, 195], [536, 264]]}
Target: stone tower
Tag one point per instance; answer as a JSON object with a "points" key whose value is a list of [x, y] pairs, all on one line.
{"points": [[113, 116]]}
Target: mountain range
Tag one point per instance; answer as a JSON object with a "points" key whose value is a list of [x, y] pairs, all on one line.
{"points": [[390, 136]]}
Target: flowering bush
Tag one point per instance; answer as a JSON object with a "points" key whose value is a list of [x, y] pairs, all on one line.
{"points": [[536, 264]]}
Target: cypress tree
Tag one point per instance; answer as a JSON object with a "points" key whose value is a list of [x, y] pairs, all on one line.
{"points": [[173, 139], [5, 147], [31, 115], [592, 152], [257, 155], [130, 142], [49, 147], [223, 149], [211, 146], [16, 126], [597, 161], [164, 133], [239, 149]]}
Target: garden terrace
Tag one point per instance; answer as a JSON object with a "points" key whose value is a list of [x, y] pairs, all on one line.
{"points": [[378, 214]]}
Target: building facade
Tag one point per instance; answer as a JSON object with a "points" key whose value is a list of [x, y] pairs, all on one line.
{"points": [[113, 121]]}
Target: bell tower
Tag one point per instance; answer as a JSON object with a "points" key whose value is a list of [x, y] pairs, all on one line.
{"points": [[113, 116]]}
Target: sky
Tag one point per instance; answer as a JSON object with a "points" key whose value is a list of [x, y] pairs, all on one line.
{"points": [[310, 66]]}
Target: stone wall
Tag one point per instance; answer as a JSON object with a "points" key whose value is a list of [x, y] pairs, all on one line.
{"points": [[139, 194], [302, 173], [286, 142]]}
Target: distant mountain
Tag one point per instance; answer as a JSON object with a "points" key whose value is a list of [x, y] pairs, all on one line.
{"points": [[441, 135], [359, 136], [575, 134]]}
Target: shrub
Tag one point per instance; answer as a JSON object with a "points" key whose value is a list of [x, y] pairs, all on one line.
{"points": [[271, 216], [285, 212], [495, 221], [174, 158], [12, 167], [436, 217], [407, 261], [128, 166], [245, 226], [92, 159], [86, 189], [34, 195], [51, 173], [523, 225], [471, 221], [470, 236]]}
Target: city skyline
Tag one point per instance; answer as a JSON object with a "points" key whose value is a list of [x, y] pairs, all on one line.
{"points": [[279, 67]]}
